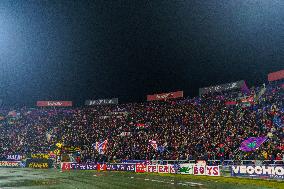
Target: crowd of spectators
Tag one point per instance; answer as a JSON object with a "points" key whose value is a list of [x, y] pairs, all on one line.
{"points": [[199, 128]]}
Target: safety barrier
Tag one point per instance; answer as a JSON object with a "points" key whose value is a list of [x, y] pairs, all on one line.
{"points": [[193, 169], [219, 162]]}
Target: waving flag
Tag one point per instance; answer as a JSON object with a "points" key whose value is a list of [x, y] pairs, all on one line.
{"points": [[246, 102], [13, 113], [153, 143], [100, 146], [252, 143], [161, 149], [277, 121], [59, 145]]}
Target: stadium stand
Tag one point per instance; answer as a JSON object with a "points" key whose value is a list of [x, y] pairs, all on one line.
{"points": [[209, 127]]}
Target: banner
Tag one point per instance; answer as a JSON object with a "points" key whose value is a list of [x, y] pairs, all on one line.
{"points": [[152, 168], [14, 157], [213, 171], [54, 103], [173, 169], [83, 166], [124, 134], [101, 102], [65, 166], [165, 96], [140, 125], [199, 170], [201, 162], [121, 167], [39, 163], [252, 143], [276, 75], [102, 167], [231, 103], [182, 169], [10, 164], [185, 168], [40, 156], [140, 168], [71, 149], [271, 172], [163, 169], [224, 87]]}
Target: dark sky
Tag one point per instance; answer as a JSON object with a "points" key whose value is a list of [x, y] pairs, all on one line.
{"points": [[77, 50]]}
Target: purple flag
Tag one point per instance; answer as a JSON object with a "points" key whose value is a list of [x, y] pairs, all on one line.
{"points": [[245, 88], [252, 143]]}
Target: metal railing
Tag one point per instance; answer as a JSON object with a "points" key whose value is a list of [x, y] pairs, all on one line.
{"points": [[224, 162]]}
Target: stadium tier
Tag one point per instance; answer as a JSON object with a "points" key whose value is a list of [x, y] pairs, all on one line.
{"points": [[209, 127]]}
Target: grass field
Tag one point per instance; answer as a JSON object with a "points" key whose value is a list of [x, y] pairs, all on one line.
{"points": [[31, 178]]}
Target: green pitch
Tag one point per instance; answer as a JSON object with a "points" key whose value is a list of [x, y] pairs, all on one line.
{"points": [[31, 178]]}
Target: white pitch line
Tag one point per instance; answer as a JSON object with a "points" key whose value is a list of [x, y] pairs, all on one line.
{"points": [[194, 183]]}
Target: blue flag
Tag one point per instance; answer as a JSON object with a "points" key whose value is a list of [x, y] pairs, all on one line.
{"points": [[277, 121]]}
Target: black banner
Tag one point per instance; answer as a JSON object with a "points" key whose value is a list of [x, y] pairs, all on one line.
{"points": [[39, 163], [101, 102], [224, 87]]}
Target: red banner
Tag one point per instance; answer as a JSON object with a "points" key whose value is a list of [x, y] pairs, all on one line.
{"points": [[141, 168], [165, 96], [54, 103], [230, 103], [65, 166], [102, 167], [276, 75]]}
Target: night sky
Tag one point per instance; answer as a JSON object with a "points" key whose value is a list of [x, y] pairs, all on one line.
{"points": [[78, 50]]}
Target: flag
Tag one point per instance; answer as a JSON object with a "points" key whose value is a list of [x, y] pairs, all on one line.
{"points": [[100, 146], [247, 101], [245, 88], [12, 113], [277, 121], [197, 101], [161, 149], [261, 92], [123, 134], [140, 125], [252, 143], [153, 143], [48, 136], [59, 145]]}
